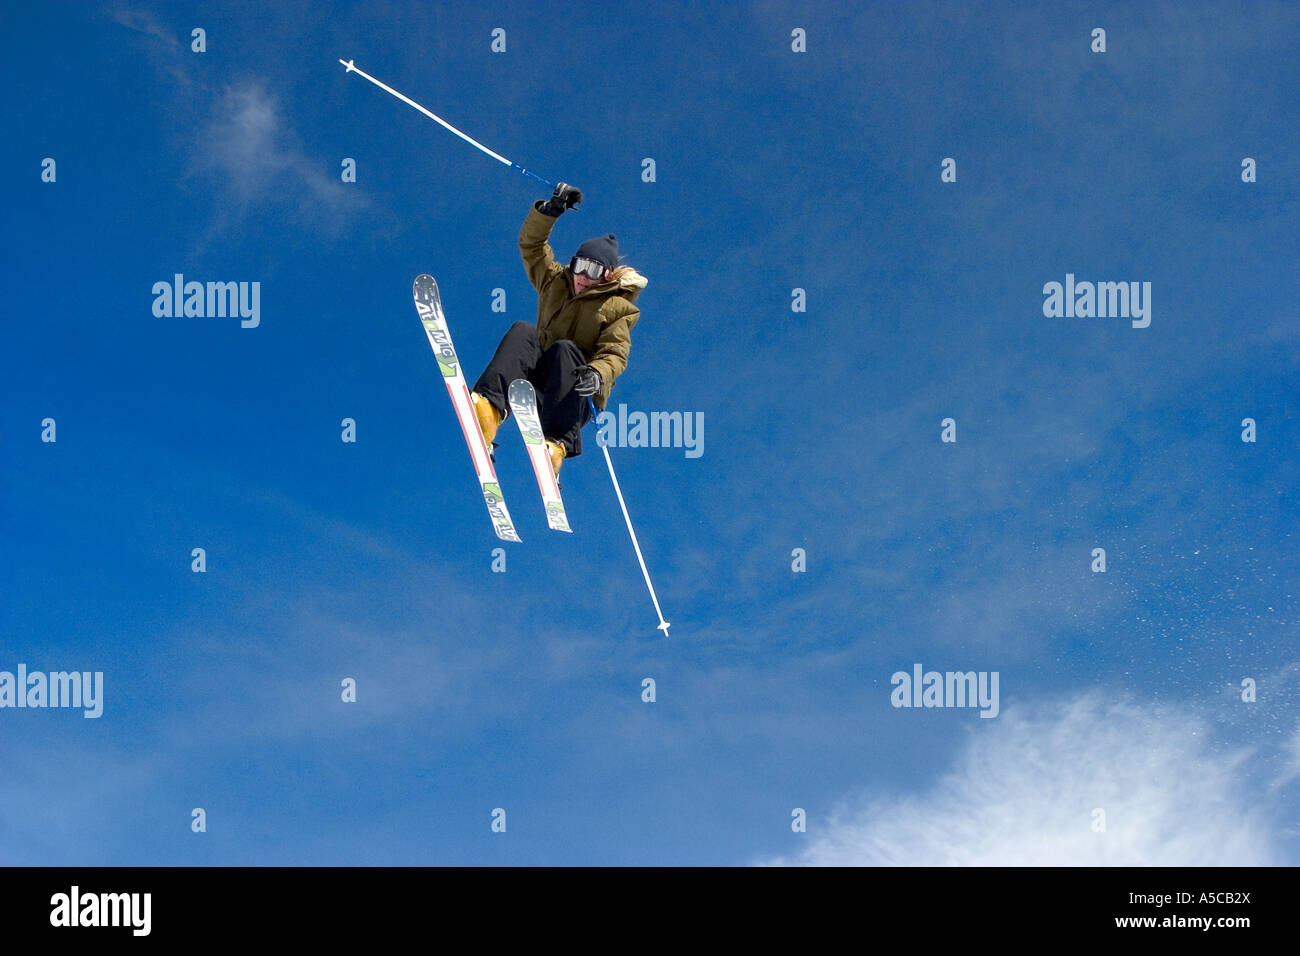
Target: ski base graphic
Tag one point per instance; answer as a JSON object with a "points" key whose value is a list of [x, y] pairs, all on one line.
{"points": [[523, 402], [428, 303]]}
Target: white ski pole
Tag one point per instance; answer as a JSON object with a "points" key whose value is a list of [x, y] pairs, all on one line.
{"points": [[663, 625], [352, 68]]}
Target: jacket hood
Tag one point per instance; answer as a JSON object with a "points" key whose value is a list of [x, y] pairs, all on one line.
{"points": [[631, 283]]}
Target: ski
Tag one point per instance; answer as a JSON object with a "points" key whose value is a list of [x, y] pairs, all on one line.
{"points": [[523, 402], [429, 306]]}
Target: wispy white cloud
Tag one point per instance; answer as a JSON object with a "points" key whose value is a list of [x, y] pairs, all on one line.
{"points": [[142, 21], [160, 45], [1024, 792], [245, 147], [49, 814], [255, 157], [1291, 770]]}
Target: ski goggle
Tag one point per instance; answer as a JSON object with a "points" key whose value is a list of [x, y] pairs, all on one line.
{"points": [[587, 267]]}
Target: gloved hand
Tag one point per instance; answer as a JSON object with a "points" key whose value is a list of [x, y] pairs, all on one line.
{"points": [[589, 381], [564, 197]]}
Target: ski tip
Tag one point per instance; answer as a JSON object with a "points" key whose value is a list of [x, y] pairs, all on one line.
{"points": [[423, 283]]}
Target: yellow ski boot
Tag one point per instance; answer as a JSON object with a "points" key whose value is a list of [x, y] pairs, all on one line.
{"points": [[556, 451], [489, 420]]}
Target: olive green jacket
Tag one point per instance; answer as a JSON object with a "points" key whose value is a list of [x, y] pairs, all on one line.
{"points": [[599, 321]]}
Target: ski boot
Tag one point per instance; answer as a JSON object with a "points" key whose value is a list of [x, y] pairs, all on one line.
{"points": [[556, 451], [489, 420]]}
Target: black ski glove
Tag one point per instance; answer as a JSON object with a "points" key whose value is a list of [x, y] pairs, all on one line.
{"points": [[589, 381], [564, 197]]}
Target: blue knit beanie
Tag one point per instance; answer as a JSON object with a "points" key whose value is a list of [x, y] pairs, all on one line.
{"points": [[604, 249]]}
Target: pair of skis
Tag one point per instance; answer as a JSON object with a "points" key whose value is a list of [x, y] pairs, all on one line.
{"points": [[523, 403]]}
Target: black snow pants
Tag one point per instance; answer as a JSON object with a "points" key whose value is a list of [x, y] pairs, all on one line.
{"points": [[553, 373]]}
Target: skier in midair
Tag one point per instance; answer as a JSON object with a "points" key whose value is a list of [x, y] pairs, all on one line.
{"points": [[580, 344]]}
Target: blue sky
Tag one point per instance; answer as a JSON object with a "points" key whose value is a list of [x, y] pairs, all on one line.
{"points": [[776, 170]]}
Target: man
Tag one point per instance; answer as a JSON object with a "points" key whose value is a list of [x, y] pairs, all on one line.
{"points": [[580, 345]]}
